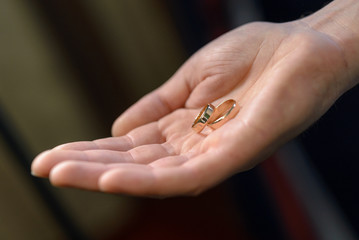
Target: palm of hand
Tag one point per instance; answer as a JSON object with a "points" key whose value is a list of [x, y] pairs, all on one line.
{"points": [[278, 74]]}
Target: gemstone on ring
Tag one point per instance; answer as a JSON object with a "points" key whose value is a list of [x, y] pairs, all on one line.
{"points": [[203, 118]]}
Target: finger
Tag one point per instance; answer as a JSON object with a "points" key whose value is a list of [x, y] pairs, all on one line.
{"points": [[167, 98], [119, 143], [144, 180], [147, 134], [86, 175], [83, 175], [148, 153], [43, 164], [171, 161], [133, 179], [45, 161]]}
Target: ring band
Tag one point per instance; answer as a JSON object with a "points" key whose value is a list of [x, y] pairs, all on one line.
{"points": [[203, 118], [224, 112]]}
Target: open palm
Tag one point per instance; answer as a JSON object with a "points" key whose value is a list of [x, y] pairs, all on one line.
{"points": [[283, 76]]}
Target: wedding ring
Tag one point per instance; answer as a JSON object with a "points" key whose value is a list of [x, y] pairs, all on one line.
{"points": [[203, 118], [224, 112]]}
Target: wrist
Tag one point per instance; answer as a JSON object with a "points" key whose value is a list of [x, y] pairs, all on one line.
{"points": [[339, 20]]}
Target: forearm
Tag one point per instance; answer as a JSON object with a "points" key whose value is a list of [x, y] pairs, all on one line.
{"points": [[340, 21]]}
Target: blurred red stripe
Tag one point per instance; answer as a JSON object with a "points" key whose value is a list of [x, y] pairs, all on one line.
{"points": [[295, 220]]}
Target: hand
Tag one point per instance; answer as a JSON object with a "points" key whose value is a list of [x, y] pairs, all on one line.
{"points": [[284, 77]]}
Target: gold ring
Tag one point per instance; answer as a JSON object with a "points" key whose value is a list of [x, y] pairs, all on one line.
{"points": [[224, 112], [203, 118]]}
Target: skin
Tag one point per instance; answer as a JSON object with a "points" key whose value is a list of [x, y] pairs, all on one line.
{"points": [[284, 77]]}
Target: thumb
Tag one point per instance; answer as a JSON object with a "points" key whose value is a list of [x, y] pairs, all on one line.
{"points": [[153, 106]]}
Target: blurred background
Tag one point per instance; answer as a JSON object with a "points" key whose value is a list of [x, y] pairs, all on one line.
{"points": [[69, 68]]}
